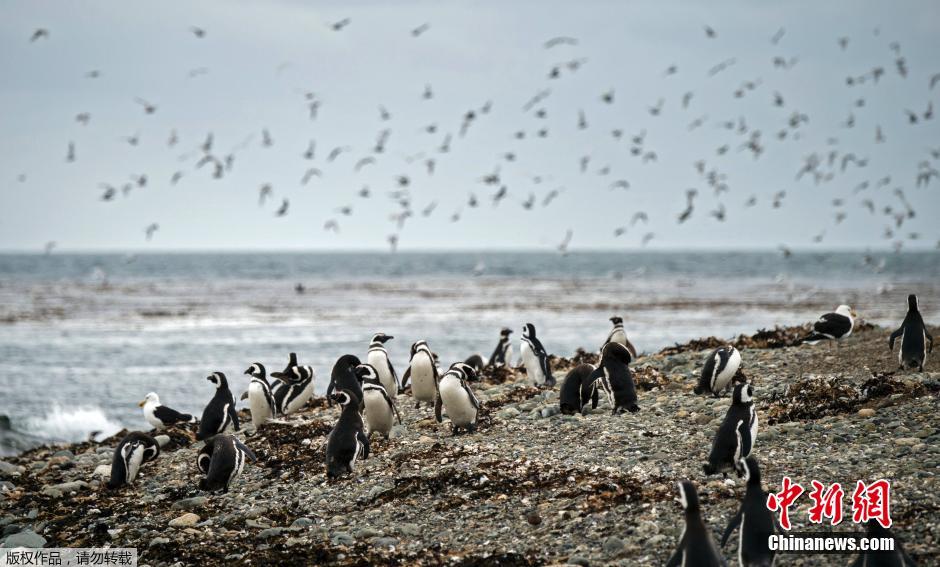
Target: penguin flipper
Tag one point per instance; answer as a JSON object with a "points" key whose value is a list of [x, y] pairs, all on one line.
{"points": [[676, 559], [406, 377], [364, 441], [248, 452], [929, 338], [732, 525], [894, 336], [438, 406], [234, 415], [743, 433]]}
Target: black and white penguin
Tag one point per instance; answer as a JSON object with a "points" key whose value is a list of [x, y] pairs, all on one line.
{"points": [[577, 390], [422, 373], [381, 410], [914, 338], [755, 521], [347, 441], [378, 358], [832, 326], [720, 367], [696, 547], [618, 335], [475, 361], [457, 398], [160, 416], [135, 449], [345, 377], [895, 558], [502, 356], [261, 402], [295, 391], [614, 377], [221, 460], [219, 412], [736, 435], [535, 358]]}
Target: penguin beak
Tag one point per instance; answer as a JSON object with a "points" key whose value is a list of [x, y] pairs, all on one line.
{"points": [[248, 371], [142, 403]]}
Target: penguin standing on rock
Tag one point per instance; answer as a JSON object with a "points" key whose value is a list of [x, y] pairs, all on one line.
{"points": [[221, 460], [914, 338], [160, 416], [618, 335], [720, 367], [344, 377], [378, 358], [755, 521], [475, 361], [423, 374], [696, 546], [577, 390], [613, 375], [832, 326], [535, 358], [380, 407], [260, 399], [133, 450], [736, 434], [219, 412], [347, 441], [457, 398], [502, 356]]}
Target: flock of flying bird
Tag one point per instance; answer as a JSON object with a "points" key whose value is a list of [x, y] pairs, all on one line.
{"points": [[368, 393], [883, 196]]}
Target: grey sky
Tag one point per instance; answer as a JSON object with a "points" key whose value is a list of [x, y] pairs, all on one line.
{"points": [[261, 57]]}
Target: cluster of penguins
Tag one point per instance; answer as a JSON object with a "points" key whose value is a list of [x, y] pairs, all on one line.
{"points": [[367, 394]]}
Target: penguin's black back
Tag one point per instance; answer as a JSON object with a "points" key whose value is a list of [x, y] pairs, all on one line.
{"points": [[726, 438], [214, 415], [341, 446], [570, 397], [757, 523], [614, 361], [343, 376], [118, 468]]}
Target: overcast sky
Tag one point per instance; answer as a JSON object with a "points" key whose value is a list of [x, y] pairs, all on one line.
{"points": [[252, 69]]}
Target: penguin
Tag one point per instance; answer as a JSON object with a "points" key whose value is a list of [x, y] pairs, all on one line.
{"points": [[720, 367], [457, 398], [755, 521], [378, 358], [696, 546], [475, 361], [160, 416], [296, 391], [535, 358], [347, 442], [260, 399], [135, 449], [502, 356], [423, 374], [736, 435], [219, 412], [896, 558], [914, 337], [832, 326], [344, 377], [614, 377], [576, 390], [221, 460], [380, 407], [618, 335]]}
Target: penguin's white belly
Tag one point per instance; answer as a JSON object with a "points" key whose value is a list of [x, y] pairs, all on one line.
{"points": [[378, 414], [532, 367], [301, 399], [619, 336], [258, 405], [133, 463], [379, 361], [152, 419], [458, 405], [422, 381], [508, 356], [753, 429]]}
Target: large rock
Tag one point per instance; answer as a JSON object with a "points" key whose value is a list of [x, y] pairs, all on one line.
{"points": [[25, 538], [186, 520]]}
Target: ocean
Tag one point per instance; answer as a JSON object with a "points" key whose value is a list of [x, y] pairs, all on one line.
{"points": [[84, 337]]}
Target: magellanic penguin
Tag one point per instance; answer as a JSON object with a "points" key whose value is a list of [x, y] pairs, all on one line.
{"points": [[422, 373], [347, 441], [502, 356], [895, 558], [577, 390], [344, 376], [614, 377], [160, 416], [696, 546], [378, 358], [133, 450], [455, 396], [755, 521], [535, 358], [295, 389], [618, 335], [219, 412], [221, 460], [736, 435], [914, 338], [832, 326], [475, 361], [260, 399], [720, 367], [381, 410]]}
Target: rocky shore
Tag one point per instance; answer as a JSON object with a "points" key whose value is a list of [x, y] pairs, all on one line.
{"points": [[531, 487]]}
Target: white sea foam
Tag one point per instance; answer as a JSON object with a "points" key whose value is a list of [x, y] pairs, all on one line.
{"points": [[72, 424]]}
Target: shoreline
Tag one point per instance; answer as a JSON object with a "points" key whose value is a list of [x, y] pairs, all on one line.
{"points": [[531, 486]]}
